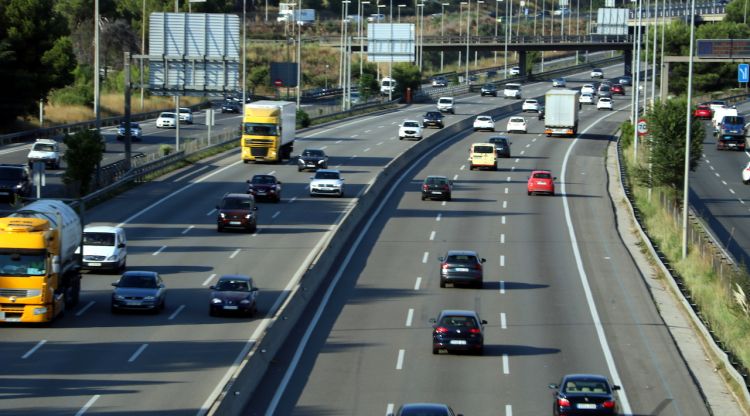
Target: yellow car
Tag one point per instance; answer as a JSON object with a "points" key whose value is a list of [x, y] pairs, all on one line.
{"points": [[482, 155]]}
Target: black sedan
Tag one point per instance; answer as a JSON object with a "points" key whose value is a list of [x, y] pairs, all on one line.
{"points": [[264, 187], [461, 267], [584, 395], [139, 290], [312, 159], [231, 106], [135, 131], [233, 293], [434, 119], [502, 146], [437, 187], [425, 409], [458, 330], [489, 89]]}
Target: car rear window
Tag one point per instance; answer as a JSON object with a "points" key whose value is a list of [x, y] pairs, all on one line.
{"points": [[261, 179], [484, 149], [232, 285], [484, 118], [516, 120], [99, 239], [461, 321], [498, 140], [140, 281], [512, 87], [411, 124], [586, 386], [11, 173], [734, 120], [542, 176], [461, 258], [435, 181], [445, 101]]}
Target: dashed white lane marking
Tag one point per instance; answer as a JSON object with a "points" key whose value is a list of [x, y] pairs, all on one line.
{"points": [[462, 167], [276, 214], [741, 201], [512, 168], [432, 236], [506, 370], [508, 410], [731, 190], [367, 131], [502, 238], [33, 349], [418, 283], [502, 287], [337, 142], [503, 324], [506, 190], [380, 127], [185, 231], [353, 157], [366, 150], [159, 250], [528, 145], [234, 254], [210, 212], [389, 409], [717, 174], [207, 281], [175, 313], [294, 198], [354, 135], [425, 256], [379, 143], [507, 179], [393, 123], [517, 159], [85, 308], [711, 167], [137, 353], [505, 204], [502, 219], [724, 182], [442, 203], [502, 260], [273, 172], [534, 139], [438, 217], [88, 405], [455, 177], [522, 152], [409, 316], [400, 359]]}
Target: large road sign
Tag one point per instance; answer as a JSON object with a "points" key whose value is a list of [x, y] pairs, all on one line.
{"points": [[743, 73]]}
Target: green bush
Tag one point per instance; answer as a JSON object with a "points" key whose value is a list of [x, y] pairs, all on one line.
{"points": [[78, 94], [303, 119], [165, 149], [627, 134]]}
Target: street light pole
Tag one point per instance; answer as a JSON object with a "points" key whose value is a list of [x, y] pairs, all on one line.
{"points": [[143, 45], [688, 132], [442, 30], [468, 31], [653, 52], [496, 3], [636, 84], [390, 62], [299, 52], [361, 39], [244, 54], [420, 13], [476, 52], [505, 38], [460, 26], [399, 11], [97, 116]]}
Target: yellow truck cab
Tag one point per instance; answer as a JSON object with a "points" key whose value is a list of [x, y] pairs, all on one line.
{"points": [[268, 129], [482, 155]]}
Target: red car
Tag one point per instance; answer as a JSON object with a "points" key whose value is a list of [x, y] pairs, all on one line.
{"points": [[618, 89], [703, 111], [541, 182]]}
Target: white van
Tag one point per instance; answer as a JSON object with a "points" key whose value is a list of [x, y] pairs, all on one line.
{"points": [[719, 115], [387, 85], [104, 248]]}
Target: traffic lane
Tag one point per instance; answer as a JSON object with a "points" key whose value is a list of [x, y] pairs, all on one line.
{"points": [[641, 346]]}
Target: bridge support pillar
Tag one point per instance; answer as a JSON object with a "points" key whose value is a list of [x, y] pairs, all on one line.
{"points": [[628, 58], [664, 84], [522, 62]]}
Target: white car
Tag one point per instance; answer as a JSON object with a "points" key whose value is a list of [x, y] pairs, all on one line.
{"points": [[558, 82], [484, 123], [410, 129], [516, 70], [327, 182], [516, 124], [166, 120], [746, 174], [604, 103], [530, 105], [512, 91], [586, 99], [597, 73], [186, 115], [46, 151], [104, 248], [445, 105], [588, 89]]}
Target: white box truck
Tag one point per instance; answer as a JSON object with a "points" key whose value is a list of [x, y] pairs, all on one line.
{"points": [[268, 129], [561, 112]]}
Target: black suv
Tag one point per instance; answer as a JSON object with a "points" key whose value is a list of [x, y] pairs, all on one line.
{"points": [[237, 211], [135, 131], [489, 89], [433, 118], [15, 181], [230, 106], [437, 187], [312, 159], [502, 145]]}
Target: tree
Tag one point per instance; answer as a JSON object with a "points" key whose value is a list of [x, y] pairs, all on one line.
{"points": [[407, 75], [667, 128], [368, 86], [84, 152]]}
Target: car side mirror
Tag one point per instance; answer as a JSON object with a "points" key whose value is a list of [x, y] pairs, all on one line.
{"points": [[342, 179], [450, 182], [615, 387], [255, 289], [484, 322], [433, 320], [114, 284], [311, 177], [247, 181], [484, 260], [121, 245], [212, 287], [278, 182], [553, 386], [555, 178], [441, 258], [255, 208], [161, 285]]}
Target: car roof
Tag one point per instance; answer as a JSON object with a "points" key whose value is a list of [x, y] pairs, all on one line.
{"points": [[140, 273], [102, 229], [445, 98], [512, 84], [540, 171], [436, 177], [235, 277], [328, 170], [166, 113], [516, 118], [462, 253], [484, 116], [411, 121], [585, 376], [459, 312], [498, 138], [424, 406], [237, 195], [531, 100], [312, 148], [45, 141]]}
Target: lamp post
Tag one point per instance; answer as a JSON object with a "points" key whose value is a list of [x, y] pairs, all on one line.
{"points": [[496, 4], [97, 116], [299, 52], [390, 61], [442, 30], [345, 66], [399, 11], [378, 7], [505, 38], [636, 83], [688, 121], [420, 13], [468, 30], [476, 52], [460, 23], [653, 52], [244, 54], [361, 15]]}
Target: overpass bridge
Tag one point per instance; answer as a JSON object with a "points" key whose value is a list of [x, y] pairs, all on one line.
{"points": [[706, 12]]}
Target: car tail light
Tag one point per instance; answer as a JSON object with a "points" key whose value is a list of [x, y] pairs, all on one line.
{"points": [[444, 266], [609, 404], [425, 187], [474, 331], [478, 266], [563, 402], [441, 330]]}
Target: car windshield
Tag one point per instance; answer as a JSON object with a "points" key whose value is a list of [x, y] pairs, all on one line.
{"points": [[261, 129], [586, 386], [326, 175], [137, 281], [597, 70], [530, 101], [484, 149], [232, 285], [315, 153], [484, 118], [44, 147], [729, 137], [433, 114], [185, 110], [512, 87], [489, 87], [166, 115], [263, 180], [605, 100], [542, 175], [13, 174], [411, 124], [25, 263], [459, 321], [99, 239], [236, 203], [603, 88], [734, 120]]}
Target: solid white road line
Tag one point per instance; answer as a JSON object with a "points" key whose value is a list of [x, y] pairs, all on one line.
{"points": [[400, 360], [276, 214], [502, 287], [234, 253], [585, 280], [137, 353], [33, 349], [418, 283], [88, 404], [409, 316], [207, 281], [432, 236], [438, 217], [425, 256], [389, 409], [337, 142], [207, 214], [85, 308], [185, 231], [191, 173], [506, 370], [508, 410], [175, 313], [503, 323], [502, 238], [502, 260], [162, 248]]}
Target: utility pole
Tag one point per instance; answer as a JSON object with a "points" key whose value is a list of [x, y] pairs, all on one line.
{"points": [[128, 133], [688, 133], [143, 46]]}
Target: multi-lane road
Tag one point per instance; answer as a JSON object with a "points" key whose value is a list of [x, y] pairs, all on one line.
{"points": [[562, 293]]}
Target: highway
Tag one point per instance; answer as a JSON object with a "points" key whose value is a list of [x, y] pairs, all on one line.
{"points": [[551, 262]]}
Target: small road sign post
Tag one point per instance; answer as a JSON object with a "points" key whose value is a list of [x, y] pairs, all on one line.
{"points": [[642, 127]]}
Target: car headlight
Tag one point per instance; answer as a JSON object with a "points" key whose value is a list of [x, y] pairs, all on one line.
{"points": [[221, 214], [321, 162], [301, 161], [19, 186], [119, 297], [111, 258], [245, 301], [216, 300], [149, 297], [248, 216]]}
